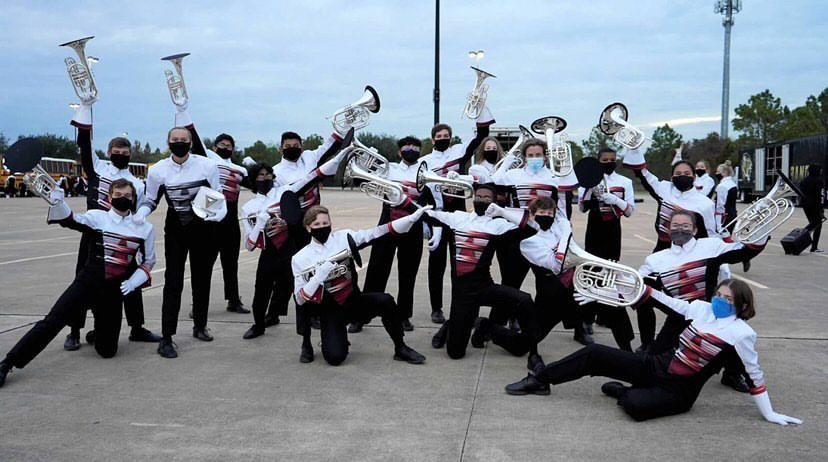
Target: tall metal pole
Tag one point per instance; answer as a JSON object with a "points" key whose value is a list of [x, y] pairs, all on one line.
{"points": [[437, 62], [727, 8]]}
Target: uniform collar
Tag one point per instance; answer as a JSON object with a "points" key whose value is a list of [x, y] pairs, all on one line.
{"points": [[113, 215], [687, 247]]}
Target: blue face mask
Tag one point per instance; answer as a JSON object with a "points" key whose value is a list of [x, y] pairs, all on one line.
{"points": [[721, 308], [534, 164]]}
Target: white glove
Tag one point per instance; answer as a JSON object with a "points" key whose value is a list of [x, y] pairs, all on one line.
{"points": [[763, 403], [582, 299], [323, 270], [426, 231], [182, 107], [404, 224], [57, 195], [248, 161], [494, 210], [436, 235], [452, 175], [485, 115], [182, 117], [610, 199], [330, 167], [261, 220], [634, 158], [127, 287], [83, 114]]}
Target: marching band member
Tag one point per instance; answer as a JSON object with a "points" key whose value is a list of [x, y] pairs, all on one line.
{"points": [[669, 382], [688, 270], [231, 177], [812, 187], [703, 182], [486, 156], [101, 175], [407, 246], [603, 235], [443, 159], [677, 194], [119, 262], [335, 297], [474, 236], [726, 193], [179, 178], [269, 232]]}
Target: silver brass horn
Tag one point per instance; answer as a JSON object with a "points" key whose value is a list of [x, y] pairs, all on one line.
{"points": [[476, 99], [341, 268], [363, 164], [356, 114], [768, 213], [41, 183], [175, 80], [80, 73], [613, 122], [451, 188], [368, 159], [518, 162], [558, 151], [605, 281]]}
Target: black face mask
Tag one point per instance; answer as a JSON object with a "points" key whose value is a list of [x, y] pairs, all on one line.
{"points": [[263, 186], [321, 234], [683, 182], [180, 148], [120, 161], [480, 206], [700, 172], [680, 236], [609, 167], [442, 145], [224, 153], [410, 156], [490, 156], [719, 176], [122, 204], [544, 221], [291, 154]]}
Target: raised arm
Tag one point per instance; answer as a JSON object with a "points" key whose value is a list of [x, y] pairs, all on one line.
{"points": [[82, 120], [182, 119], [483, 122]]}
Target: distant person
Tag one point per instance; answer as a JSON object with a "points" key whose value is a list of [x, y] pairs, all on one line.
{"points": [[11, 189], [704, 183], [726, 193], [812, 187]]}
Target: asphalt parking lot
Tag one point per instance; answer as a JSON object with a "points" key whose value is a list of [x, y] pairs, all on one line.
{"points": [[238, 399]]}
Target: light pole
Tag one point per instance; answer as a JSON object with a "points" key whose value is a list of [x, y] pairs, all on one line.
{"points": [[727, 8], [436, 62]]}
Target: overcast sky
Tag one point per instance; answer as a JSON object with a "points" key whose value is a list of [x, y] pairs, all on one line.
{"points": [[260, 68]]}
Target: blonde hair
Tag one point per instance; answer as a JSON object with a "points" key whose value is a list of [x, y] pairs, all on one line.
{"points": [[478, 153]]}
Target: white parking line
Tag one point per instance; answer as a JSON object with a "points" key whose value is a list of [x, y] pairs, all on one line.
{"points": [[42, 257], [39, 240], [644, 238], [749, 281]]}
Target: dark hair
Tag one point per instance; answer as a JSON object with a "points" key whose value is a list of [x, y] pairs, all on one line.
{"points": [[488, 186], [685, 213], [439, 127], [605, 149], [742, 298], [290, 136], [685, 162], [225, 136], [478, 153], [253, 172], [124, 183], [534, 142], [313, 212], [119, 142], [542, 203], [409, 140]]}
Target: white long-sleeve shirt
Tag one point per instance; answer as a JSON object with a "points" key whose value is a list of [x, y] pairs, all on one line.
{"points": [[704, 184], [670, 199], [180, 184], [618, 185], [230, 176], [289, 171]]}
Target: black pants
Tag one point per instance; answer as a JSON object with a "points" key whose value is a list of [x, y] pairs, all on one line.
{"points": [[197, 239], [133, 303], [647, 399], [409, 250], [437, 269], [105, 299], [466, 299], [645, 313], [513, 270], [361, 308], [814, 215], [228, 238], [274, 281]]}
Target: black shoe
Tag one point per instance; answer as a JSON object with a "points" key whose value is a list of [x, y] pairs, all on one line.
{"points": [[514, 325], [354, 327], [315, 324], [270, 321], [535, 363], [90, 337], [643, 349], [72, 342], [527, 386], [746, 265], [437, 317], [237, 307], [588, 328], [409, 355], [202, 334], [736, 382], [141, 334], [407, 326], [482, 332], [5, 368], [439, 339], [582, 336], [167, 349], [254, 331], [614, 389], [307, 354]]}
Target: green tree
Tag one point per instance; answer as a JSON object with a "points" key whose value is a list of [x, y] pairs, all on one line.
{"points": [[760, 120], [312, 141], [385, 144], [819, 106], [597, 140], [262, 152], [577, 151], [662, 150], [712, 148], [57, 146], [802, 121], [4, 143]]}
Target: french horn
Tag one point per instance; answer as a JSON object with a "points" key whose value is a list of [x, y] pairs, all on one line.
{"points": [[605, 281]]}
